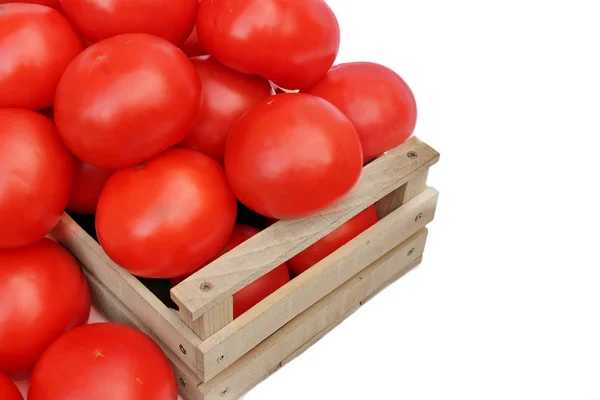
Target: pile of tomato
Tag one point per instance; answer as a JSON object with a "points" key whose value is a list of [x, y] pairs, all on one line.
{"points": [[163, 119]]}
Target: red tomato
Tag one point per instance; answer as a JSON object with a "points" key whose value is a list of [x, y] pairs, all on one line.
{"points": [[192, 46], [292, 155], [172, 20], [168, 217], [333, 241], [43, 294], [378, 102], [36, 45], [87, 186], [227, 96], [101, 362], [8, 390], [49, 3], [290, 42], [36, 173], [133, 96]]}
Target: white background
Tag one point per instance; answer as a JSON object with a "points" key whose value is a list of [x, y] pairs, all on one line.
{"points": [[506, 304]]}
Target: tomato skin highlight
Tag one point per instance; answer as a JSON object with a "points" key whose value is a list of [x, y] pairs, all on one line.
{"points": [[168, 217], [378, 102], [103, 361], [172, 20], [44, 294], [88, 183], [290, 42], [36, 174], [333, 241], [278, 170], [37, 43], [227, 95], [133, 95], [8, 390]]}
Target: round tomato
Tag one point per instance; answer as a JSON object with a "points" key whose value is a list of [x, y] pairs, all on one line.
{"points": [[290, 42], [36, 173], [100, 362], [166, 218], [227, 96], [8, 390], [292, 155], [37, 43], [333, 241], [378, 102], [87, 186], [172, 20], [125, 99], [43, 293], [49, 3]]}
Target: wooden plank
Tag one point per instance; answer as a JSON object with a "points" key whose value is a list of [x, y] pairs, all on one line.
{"points": [[212, 321], [169, 328], [283, 240], [269, 355], [236, 339], [116, 311], [402, 195]]}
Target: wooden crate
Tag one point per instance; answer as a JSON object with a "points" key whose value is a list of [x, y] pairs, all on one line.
{"points": [[216, 357]]}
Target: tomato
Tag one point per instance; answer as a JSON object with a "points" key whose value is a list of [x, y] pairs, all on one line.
{"points": [[87, 186], [333, 241], [8, 390], [168, 217], [132, 95], [378, 102], [36, 173], [227, 96], [290, 42], [193, 47], [292, 155], [43, 294], [49, 3], [172, 20], [37, 44], [103, 361]]}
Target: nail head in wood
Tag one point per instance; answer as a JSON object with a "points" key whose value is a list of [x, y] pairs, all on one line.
{"points": [[205, 286], [224, 392], [221, 359], [411, 252], [412, 155], [183, 382], [182, 349], [419, 217]]}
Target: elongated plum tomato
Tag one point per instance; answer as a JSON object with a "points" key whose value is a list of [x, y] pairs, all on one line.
{"points": [[227, 96], [43, 293], [172, 20], [166, 218], [378, 102], [49, 3], [125, 99], [290, 42], [87, 185], [8, 390], [103, 361], [36, 173], [37, 43], [254, 293], [292, 155], [333, 241]]}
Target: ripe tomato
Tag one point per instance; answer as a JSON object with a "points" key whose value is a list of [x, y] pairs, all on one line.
{"points": [[103, 361], [168, 217], [43, 294], [378, 102], [292, 155], [192, 46], [36, 45], [49, 3], [8, 390], [36, 173], [133, 95], [290, 42], [87, 186], [172, 20], [227, 96], [333, 241]]}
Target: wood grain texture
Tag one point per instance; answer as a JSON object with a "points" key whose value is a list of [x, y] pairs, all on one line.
{"points": [[291, 339], [247, 331], [214, 319], [283, 240], [402, 195], [166, 325]]}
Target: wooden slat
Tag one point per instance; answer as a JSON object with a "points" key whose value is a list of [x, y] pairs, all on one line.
{"points": [[269, 355], [283, 240], [115, 311], [171, 330], [212, 321], [236, 339], [402, 195]]}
